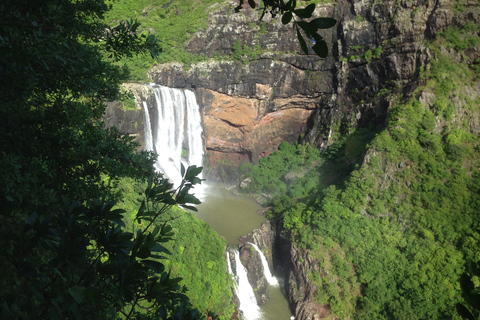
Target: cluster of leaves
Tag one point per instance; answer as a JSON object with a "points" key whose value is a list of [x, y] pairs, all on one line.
{"points": [[80, 261], [208, 287], [288, 10]]}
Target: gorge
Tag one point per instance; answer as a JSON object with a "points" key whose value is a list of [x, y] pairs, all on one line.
{"points": [[173, 130], [397, 96]]}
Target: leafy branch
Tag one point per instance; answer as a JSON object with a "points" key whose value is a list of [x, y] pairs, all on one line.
{"points": [[303, 27]]}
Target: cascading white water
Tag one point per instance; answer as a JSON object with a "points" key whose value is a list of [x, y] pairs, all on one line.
{"points": [[148, 129], [266, 270], [248, 302], [229, 264], [178, 131]]}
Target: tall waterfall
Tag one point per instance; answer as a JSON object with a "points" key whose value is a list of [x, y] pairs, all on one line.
{"points": [[266, 270], [176, 135], [248, 302]]}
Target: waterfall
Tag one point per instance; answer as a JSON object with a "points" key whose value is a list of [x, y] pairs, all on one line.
{"points": [[148, 129], [229, 264], [248, 302], [176, 135], [266, 269]]}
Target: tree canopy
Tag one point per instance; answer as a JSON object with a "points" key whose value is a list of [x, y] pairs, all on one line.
{"points": [[65, 250]]}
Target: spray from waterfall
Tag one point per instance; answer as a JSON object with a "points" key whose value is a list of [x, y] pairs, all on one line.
{"points": [[266, 270], [176, 133]]}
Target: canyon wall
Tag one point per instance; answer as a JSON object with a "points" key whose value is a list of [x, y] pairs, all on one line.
{"points": [[272, 94]]}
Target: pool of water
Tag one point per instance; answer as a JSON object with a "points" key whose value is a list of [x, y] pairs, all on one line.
{"points": [[233, 216]]}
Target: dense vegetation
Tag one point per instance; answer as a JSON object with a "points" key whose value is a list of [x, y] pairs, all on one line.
{"points": [[207, 284], [171, 22], [66, 250], [393, 223]]}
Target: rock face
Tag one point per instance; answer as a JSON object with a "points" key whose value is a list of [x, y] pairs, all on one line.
{"points": [[263, 238], [247, 110], [249, 107], [297, 264]]}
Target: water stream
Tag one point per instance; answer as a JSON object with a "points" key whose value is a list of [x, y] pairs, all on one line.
{"points": [[272, 280], [234, 216]]}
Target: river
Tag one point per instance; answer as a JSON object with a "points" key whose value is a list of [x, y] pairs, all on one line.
{"points": [[234, 216]]}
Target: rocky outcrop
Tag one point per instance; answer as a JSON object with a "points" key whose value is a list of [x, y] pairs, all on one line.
{"points": [[300, 290], [247, 110], [250, 106], [263, 238]]}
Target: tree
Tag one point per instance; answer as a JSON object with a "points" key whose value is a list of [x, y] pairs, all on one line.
{"points": [[289, 12], [64, 251]]}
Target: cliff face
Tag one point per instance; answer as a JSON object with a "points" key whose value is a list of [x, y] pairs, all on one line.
{"points": [[264, 238], [277, 95], [250, 106], [248, 110]]}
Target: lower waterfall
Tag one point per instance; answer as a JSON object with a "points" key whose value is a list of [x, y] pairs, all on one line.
{"points": [[248, 303], [266, 269]]}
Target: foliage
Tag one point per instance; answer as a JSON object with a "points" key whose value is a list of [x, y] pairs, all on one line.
{"points": [[53, 86], [207, 285], [289, 12], [198, 258], [65, 250], [270, 175], [172, 22], [80, 262]]}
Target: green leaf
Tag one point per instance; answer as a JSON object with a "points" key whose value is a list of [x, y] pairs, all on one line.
{"points": [[77, 293], [182, 169], [189, 207], [305, 13], [287, 17], [193, 171], [302, 42], [154, 265], [190, 198], [464, 312], [144, 252], [144, 214], [239, 7], [320, 49], [322, 23], [291, 4], [306, 28]]}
